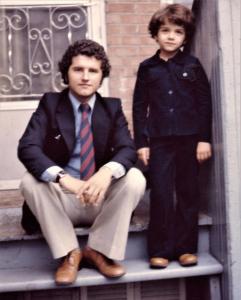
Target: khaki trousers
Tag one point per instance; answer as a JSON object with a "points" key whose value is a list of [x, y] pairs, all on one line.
{"points": [[58, 212]]}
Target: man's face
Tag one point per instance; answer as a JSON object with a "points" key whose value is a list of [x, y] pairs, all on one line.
{"points": [[84, 76], [170, 38]]}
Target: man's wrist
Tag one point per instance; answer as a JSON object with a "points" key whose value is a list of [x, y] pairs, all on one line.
{"points": [[117, 169], [60, 175], [107, 169]]}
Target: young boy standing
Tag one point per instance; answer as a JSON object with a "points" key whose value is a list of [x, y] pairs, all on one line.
{"points": [[172, 126]]}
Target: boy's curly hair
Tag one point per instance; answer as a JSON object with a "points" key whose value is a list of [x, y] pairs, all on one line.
{"points": [[84, 47], [176, 14]]}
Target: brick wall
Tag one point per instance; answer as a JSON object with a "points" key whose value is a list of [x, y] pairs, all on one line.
{"points": [[128, 43]]}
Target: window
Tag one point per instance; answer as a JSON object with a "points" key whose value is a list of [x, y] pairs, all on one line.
{"points": [[33, 37]]}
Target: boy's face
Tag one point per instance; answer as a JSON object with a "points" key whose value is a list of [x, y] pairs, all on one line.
{"points": [[170, 38]]}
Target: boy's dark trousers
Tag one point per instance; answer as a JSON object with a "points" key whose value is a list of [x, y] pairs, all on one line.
{"points": [[173, 227]]}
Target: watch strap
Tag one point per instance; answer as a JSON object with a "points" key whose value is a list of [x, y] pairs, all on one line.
{"points": [[60, 175]]}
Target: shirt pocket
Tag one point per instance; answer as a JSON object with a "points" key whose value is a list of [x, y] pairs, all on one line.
{"points": [[186, 74]]}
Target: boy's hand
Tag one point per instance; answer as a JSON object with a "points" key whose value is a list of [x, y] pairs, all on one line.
{"points": [[204, 151], [144, 155]]}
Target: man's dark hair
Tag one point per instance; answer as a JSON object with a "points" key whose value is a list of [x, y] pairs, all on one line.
{"points": [[176, 14], [88, 48]]}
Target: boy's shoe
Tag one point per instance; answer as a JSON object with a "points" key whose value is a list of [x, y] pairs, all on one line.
{"points": [[187, 260], [158, 262]]}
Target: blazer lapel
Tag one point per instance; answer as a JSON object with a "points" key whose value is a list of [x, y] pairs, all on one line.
{"points": [[100, 127], [66, 121]]}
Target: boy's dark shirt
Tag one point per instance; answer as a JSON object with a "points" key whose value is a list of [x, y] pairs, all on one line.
{"points": [[171, 98]]}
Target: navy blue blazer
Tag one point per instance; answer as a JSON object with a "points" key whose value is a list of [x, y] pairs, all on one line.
{"points": [[171, 99], [49, 138]]}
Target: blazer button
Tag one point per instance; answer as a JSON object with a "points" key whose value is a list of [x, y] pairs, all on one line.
{"points": [[170, 92]]}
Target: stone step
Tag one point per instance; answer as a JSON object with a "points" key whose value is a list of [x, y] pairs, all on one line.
{"points": [[11, 211], [37, 278], [11, 229], [26, 263], [10, 215], [10, 199]]}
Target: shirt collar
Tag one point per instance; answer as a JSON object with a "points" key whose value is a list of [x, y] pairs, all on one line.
{"points": [[177, 58], [75, 102]]}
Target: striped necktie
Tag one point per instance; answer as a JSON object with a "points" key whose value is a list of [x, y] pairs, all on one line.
{"points": [[87, 155]]}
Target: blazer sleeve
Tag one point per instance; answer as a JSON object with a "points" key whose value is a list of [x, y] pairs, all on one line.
{"points": [[31, 145], [140, 110], [204, 104], [122, 145]]}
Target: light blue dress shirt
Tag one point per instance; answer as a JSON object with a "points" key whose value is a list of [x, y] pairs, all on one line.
{"points": [[73, 166]]}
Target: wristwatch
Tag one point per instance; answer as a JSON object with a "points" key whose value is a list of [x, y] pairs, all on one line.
{"points": [[60, 175]]}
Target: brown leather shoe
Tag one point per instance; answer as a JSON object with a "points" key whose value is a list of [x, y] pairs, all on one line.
{"points": [[187, 260], [68, 270], [106, 266], [158, 262]]}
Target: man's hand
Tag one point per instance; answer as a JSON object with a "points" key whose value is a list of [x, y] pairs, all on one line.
{"points": [[94, 189], [204, 151], [144, 155], [71, 184]]}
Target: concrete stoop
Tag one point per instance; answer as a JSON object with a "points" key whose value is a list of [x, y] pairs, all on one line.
{"points": [[27, 268]]}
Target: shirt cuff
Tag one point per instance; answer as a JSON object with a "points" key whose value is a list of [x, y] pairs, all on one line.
{"points": [[50, 174], [117, 169]]}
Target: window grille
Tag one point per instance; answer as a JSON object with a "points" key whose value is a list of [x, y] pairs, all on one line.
{"points": [[33, 40]]}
